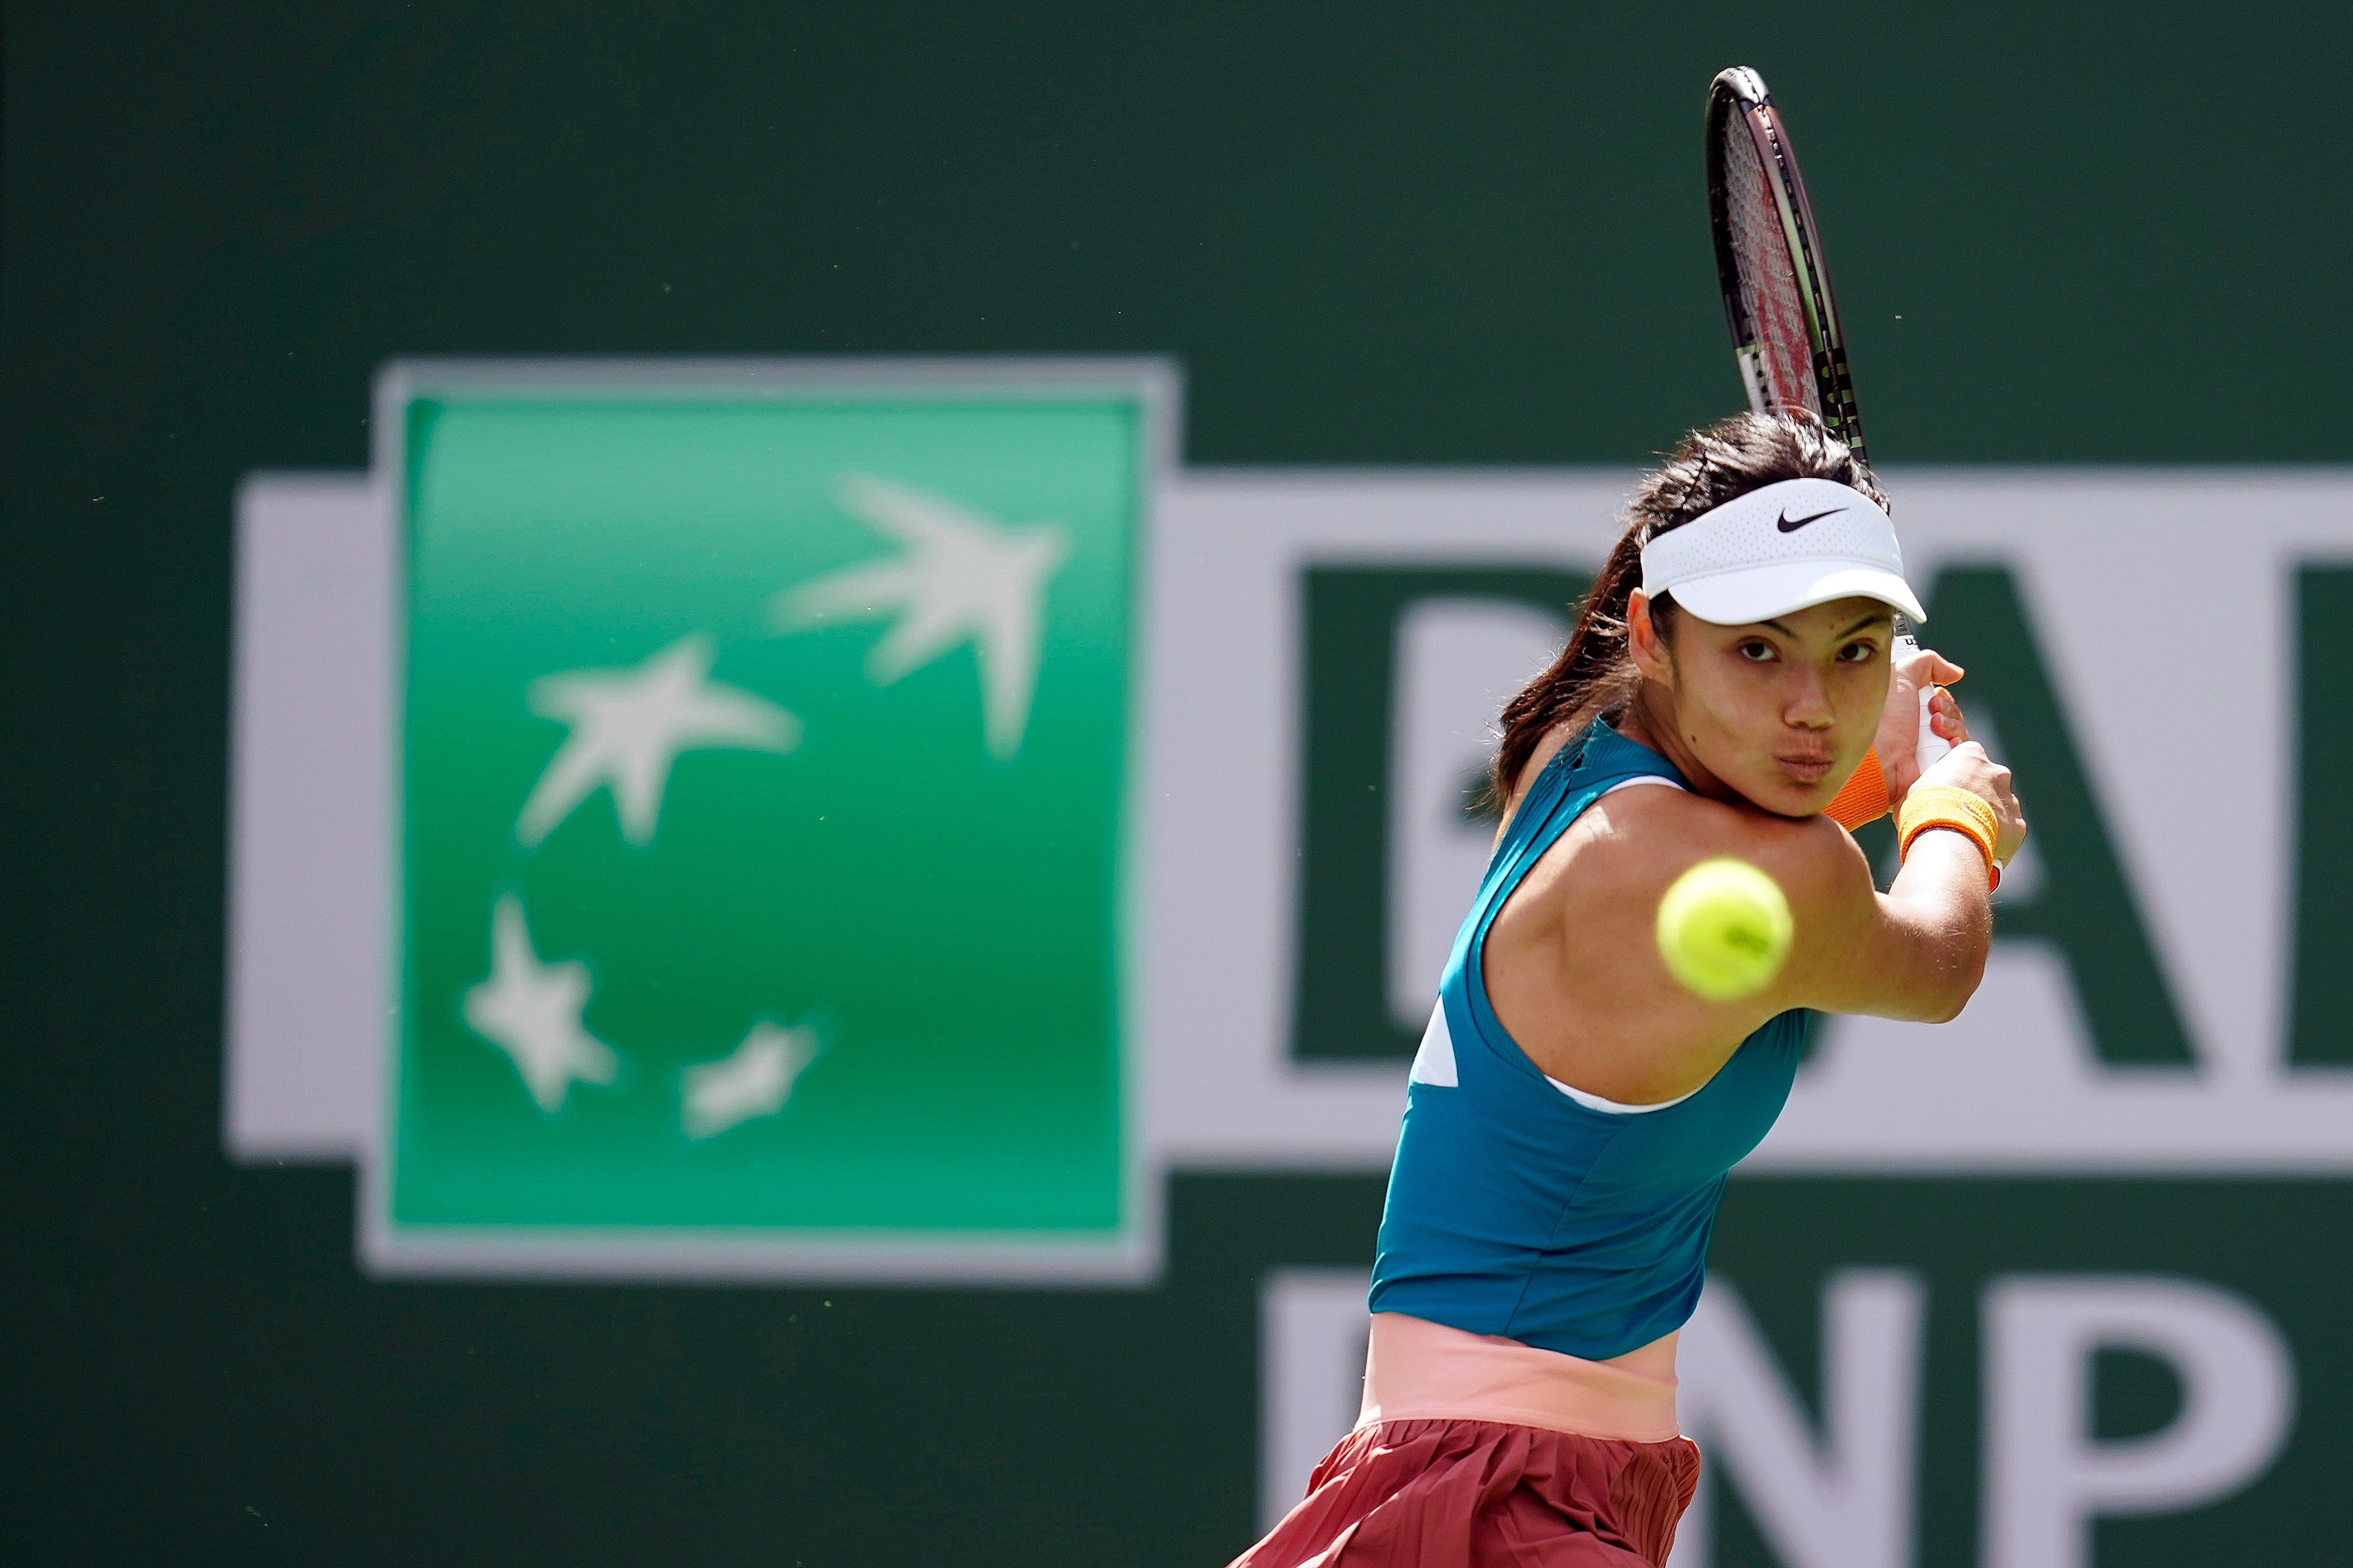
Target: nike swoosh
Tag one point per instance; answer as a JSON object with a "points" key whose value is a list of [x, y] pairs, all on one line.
{"points": [[1788, 524]]}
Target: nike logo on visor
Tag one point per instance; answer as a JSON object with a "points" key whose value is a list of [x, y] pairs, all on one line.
{"points": [[1788, 524]]}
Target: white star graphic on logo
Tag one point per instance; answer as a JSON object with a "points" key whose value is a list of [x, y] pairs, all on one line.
{"points": [[531, 1011], [629, 725], [756, 1080], [962, 577]]}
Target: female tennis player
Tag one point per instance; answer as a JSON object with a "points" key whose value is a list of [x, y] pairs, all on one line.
{"points": [[1572, 1113]]}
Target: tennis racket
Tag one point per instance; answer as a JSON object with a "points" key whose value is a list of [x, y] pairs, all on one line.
{"points": [[1777, 287]]}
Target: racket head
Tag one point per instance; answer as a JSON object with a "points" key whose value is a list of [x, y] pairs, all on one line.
{"points": [[1771, 264]]}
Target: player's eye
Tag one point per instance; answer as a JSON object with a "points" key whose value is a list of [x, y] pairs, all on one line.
{"points": [[1858, 653], [1756, 650]]}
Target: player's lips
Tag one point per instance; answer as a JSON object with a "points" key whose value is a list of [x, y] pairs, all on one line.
{"points": [[1806, 770]]}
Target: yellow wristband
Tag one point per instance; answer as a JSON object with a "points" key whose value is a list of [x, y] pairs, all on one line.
{"points": [[1947, 806], [1863, 798]]}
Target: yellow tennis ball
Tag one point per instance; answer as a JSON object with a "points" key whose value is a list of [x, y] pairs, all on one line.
{"points": [[1724, 930]]}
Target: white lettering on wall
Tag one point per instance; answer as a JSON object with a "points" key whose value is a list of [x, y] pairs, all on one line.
{"points": [[1311, 1375], [1842, 1499], [2047, 1477]]}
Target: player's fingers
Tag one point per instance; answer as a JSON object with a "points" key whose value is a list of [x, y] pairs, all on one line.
{"points": [[1933, 669]]}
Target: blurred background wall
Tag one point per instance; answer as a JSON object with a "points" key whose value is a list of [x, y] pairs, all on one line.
{"points": [[2063, 235]]}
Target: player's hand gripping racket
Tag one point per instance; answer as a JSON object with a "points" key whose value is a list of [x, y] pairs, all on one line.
{"points": [[1777, 287]]}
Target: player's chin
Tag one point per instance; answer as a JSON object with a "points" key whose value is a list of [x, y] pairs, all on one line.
{"points": [[1788, 790]]}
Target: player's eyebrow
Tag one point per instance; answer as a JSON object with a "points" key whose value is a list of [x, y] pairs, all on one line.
{"points": [[1868, 620]]}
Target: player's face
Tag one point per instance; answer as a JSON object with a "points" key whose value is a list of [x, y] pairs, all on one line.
{"points": [[1782, 711]]}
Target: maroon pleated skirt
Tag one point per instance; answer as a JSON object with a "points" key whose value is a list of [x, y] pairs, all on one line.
{"points": [[1482, 1494]]}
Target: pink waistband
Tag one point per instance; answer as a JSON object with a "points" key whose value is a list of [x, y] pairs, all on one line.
{"points": [[1418, 1370]]}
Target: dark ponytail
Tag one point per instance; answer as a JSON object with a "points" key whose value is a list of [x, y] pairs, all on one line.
{"points": [[1594, 677]]}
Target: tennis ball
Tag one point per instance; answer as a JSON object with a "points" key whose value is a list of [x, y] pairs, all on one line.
{"points": [[1724, 930]]}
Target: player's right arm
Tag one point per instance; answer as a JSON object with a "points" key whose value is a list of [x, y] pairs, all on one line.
{"points": [[1917, 950]]}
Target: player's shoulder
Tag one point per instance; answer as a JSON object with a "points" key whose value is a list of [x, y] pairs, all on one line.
{"points": [[1654, 834]]}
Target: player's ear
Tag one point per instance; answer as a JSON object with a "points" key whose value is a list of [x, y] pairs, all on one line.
{"points": [[1645, 642]]}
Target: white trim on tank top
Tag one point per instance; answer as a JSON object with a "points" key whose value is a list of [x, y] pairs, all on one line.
{"points": [[1434, 1062]]}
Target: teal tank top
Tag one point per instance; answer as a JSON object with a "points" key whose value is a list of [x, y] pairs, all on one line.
{"points": [[1514, 1209]]}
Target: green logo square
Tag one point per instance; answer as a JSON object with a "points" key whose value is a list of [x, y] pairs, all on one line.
{"points": [[764, 818]]}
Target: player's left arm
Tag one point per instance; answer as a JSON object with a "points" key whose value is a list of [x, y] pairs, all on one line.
{"points": [[1915, 952]]}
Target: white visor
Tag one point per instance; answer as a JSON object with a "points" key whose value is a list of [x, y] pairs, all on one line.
{"points": [[1789, 546]]}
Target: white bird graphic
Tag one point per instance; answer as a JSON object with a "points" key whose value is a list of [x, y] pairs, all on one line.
{"points": [[629, 725], [756, 1080], [531, 1011], [962, 577]]}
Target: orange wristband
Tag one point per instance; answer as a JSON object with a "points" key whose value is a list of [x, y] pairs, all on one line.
{"points": [[1864, 797], [1947, 806]]}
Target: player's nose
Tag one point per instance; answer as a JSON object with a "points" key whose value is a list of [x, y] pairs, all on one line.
{"points": [[1807, 701]]}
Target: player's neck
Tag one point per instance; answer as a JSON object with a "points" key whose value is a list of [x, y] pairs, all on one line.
{"points": [[1650, 720]]}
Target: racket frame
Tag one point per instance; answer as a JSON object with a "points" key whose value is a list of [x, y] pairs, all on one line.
{"points": [[1740, 91]]}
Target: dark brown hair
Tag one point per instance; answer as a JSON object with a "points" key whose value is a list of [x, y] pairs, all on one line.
{"points": [[1594, 676]]}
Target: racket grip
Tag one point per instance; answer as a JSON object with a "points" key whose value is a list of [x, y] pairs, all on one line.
{"points": [[1931, 747], [1927, 746]]}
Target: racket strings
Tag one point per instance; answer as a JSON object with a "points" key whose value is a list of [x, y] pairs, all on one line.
{"points": [[1769, 276]]}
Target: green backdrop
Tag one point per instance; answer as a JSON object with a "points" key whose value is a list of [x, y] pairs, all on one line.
{"points": [[2064, 234]]}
